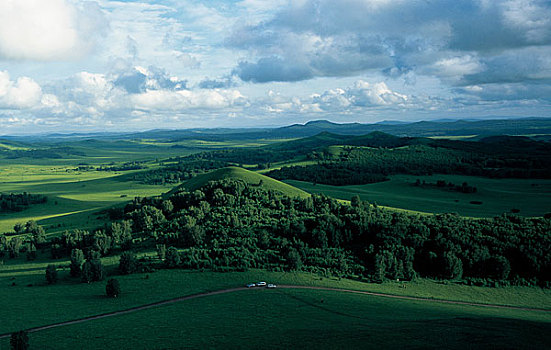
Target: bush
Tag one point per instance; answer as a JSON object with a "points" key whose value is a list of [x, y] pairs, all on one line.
{"points": [[51, 274], [113, 288]]}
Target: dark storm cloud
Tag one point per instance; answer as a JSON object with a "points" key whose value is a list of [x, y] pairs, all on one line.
{"points": [[272, 68]]}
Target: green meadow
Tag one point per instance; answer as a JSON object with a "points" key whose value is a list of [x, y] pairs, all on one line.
{"points": [[282, 317], [305, 319], [498, 196], [74, 198]]}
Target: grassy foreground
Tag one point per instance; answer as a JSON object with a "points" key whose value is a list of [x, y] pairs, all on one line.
{"points": [[224, 320], [304, 319]]}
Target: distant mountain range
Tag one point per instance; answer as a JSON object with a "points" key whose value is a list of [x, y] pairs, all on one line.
{"points": [[539, 128]]}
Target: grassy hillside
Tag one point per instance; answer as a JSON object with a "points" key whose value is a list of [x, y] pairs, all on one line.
{"points": [[73, 196], [247, 176], [497, 196]]}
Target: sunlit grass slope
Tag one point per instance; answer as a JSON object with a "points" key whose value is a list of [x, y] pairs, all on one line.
{"points": [[247, 176]]}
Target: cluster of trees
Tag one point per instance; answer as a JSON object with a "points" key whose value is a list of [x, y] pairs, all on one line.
{"points": [[256, 155], [29, 237], [369, 158], [123, 167], [337, 174], [449, 186], [44, 153], [231, 225], [360, 165], [14, 202], [178, 170]]}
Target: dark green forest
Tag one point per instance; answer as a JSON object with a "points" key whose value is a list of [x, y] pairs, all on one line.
{"points": [[371, 158], [361, 165], [14, 202], [230, 225]]}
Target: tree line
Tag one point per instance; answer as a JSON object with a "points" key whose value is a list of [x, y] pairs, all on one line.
{"points": [[14, 202]]}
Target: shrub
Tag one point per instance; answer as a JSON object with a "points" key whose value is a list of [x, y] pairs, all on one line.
{"points": [[51, 274], [113, 288]]}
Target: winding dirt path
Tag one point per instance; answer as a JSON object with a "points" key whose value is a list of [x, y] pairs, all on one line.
{"points": [[231, 290]]}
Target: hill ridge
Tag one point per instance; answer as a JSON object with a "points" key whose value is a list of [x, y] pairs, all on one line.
{"points": [[237, 173]]}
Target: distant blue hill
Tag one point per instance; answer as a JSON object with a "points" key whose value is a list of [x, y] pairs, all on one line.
{"points": [[537, 127]]}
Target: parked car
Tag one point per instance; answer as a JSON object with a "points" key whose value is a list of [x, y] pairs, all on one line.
{"points": [[250, 285], [261, 284], [272, 286]]}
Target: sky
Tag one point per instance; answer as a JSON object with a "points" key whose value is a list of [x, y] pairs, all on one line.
{"points": [[80, 66]]}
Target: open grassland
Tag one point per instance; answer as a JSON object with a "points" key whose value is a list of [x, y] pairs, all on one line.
{"points": [[94, 152], [74, 197], [498, 196], [213, 144], [23, 283], [304, 319], [282, 318]]}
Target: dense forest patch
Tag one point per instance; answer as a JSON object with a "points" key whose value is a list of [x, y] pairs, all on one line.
{"points": [[232, 225], [14, 202]]}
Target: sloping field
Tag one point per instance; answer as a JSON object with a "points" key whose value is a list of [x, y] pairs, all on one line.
{"points": [[247, 176]]}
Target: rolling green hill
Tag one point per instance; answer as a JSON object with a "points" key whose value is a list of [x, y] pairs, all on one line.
{"points": [[236, 173]]}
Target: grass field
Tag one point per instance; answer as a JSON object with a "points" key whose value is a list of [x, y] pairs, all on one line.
{"points": [[299, 319], [70, 299], [531, 197], [73, 197], [282, 318]]}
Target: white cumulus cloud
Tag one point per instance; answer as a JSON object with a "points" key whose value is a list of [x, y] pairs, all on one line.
{"points": [[48, 30], [186, 99], [22, 93]]}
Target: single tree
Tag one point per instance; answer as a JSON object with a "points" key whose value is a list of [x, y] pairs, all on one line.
{"points": [[92, 271], [113, 288], [51, 274], [294, 261], [161, 251], [355, 201], [172, 257], [86, 272], [128, 263], [77, 259]]}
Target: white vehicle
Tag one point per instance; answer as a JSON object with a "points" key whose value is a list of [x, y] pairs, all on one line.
{"points": [[250, 285], [271, 286], [261, 284]]}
